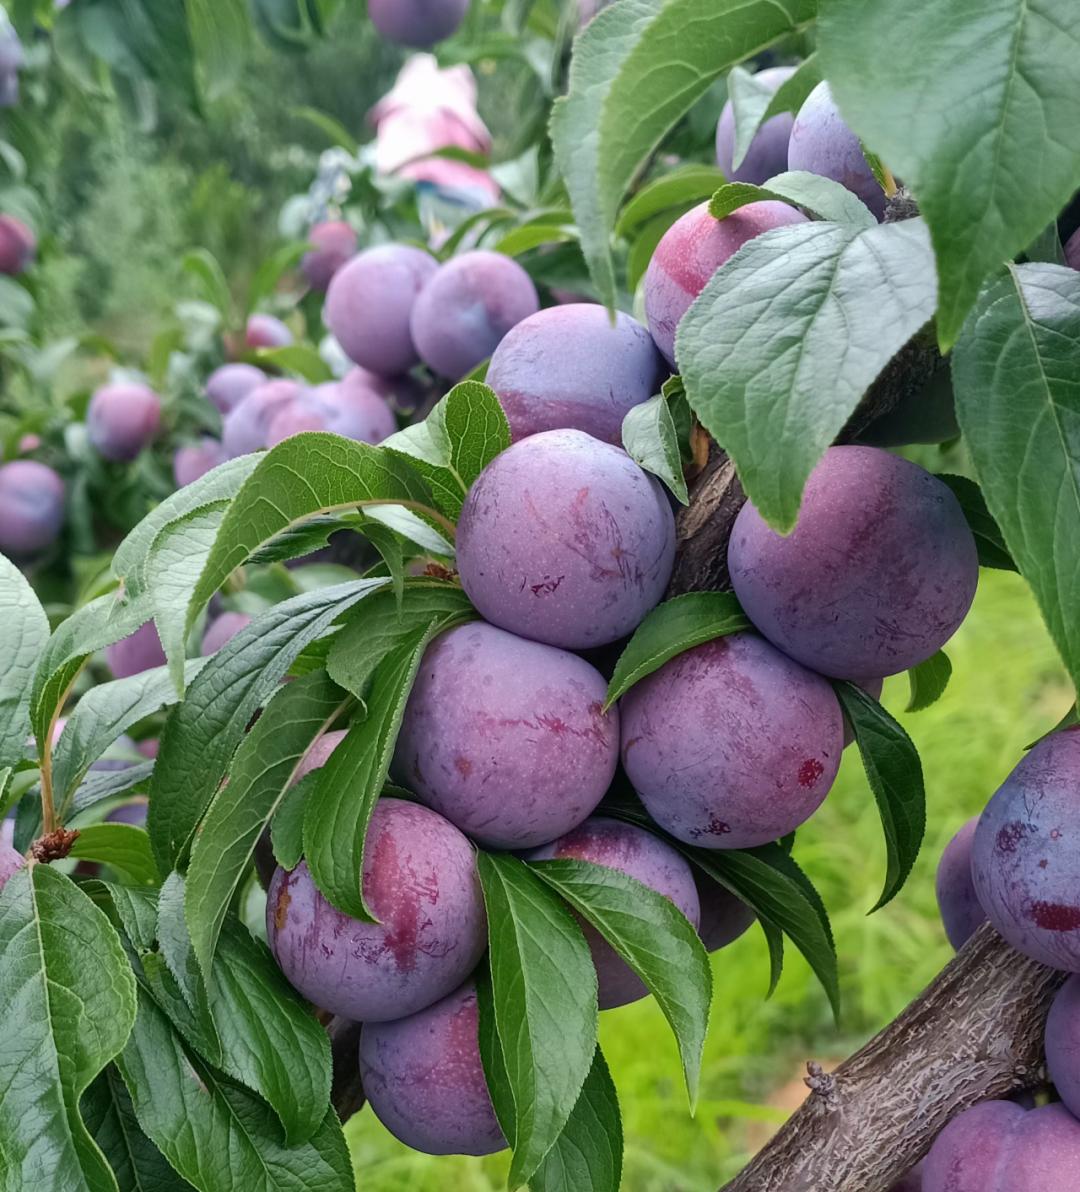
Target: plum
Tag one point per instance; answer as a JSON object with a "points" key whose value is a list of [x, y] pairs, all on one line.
{"points": [[31, 507], [822, 143], [17, 246], [691, 251], [506, 737], [318, 753], [1025, 859], [403, 394], [961, 912], [567, 366], [246, 426], [641, 855], [926, 416], [122, 419], [196, 459], [1063, 1044], [351, 410], [10, 861], [228, 385], [302, 413], [335, 244], [912, 1182], [369, 304], [768, 152], [417, 23], [421, 884], [731, 744], [1072, 250], [137, 652], [565, 540], [133, 812], [877, 575], [723, 916], [467, 307], [222, 629], [425, 1081], [265, 331]]}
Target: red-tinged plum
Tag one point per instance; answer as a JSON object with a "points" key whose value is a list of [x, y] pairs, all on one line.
{"points": [[731, 744], [822, 143], [723, 916], [641, 855], [369, 304], [425, 1081], [247, 425], [335, 244], [768, 152], [122, 419], [228, 385], [135, 653], [565, 540], [17, 246], [1063, 1044], [691, 251], [961, 912], [11, 860], [1072, 250], [506, 737], [877, 575], [222, 629], [1025, 860], [417, 23], [294, 417], [31, 507], [265, 331], [927, 416], [467, 307], [194, 460], [567, 366], [420, 882]]}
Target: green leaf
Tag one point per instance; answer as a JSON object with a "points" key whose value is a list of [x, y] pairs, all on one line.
{"points": [[121, 846], [928, 681], [299, 359], [24, 630], [988, 537], [287, 826], [671, 628], [175, 977], [634, 73], [544, 987], [335, 131], [1047, 246], [753, 103], [259, 776], [819, 196], [271, 271], [525, 239], [894, 772], [683, 188], [68, 995], [650, 439], [787, 337], [979, 119], [1017, 382], [215, 1133], [213, 286], [655, 939], [220, 35]]}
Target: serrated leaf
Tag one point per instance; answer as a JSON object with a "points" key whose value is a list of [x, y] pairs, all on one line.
{"points": [[822, 197], [650, 439], [988, 537], [287, 826], [69, 995], [789, 334], [680, 189], [300, 359], [928, 681], [24, 630], [120, 846], [671, 628], [752, 103]]}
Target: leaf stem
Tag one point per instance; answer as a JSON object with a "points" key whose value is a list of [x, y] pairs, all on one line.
{"points": [[890, 181]]}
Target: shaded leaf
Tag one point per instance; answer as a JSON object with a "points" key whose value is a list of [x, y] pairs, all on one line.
{"points": [[928, 681]]}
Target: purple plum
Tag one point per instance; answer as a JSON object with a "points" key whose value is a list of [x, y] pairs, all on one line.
{"points": [[265, 331], [641, 855], [228, 385], [369, 304], [403, 393], [31, 507], [194, 460], [133, 812], [318, 753], [877, 575], [351, 410], [564, 539], [1072, 250], [961, 912], [1025, 860], [10, 861], [294, 417], [723, 916], [17, 246], [417, 23], [822, 143], [135, 653], [467, 307], [1063, 1044], [513, 763], [425, 1082], [768, 152], [335, 244], [691, 251], [420, 882], [731, 744], [223, 629], [567, 366], [247, 425], [912, 1182], [122, 419]]}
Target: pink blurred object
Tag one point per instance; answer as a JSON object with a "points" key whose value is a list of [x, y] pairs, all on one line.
{"points": [[347, 407], [29, 443], [335, 243], [265, 331], [194, 460]]}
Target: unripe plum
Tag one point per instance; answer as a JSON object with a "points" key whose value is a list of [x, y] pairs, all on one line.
{"points": [[466, 308], [691, 251], [768, 152], [641, 855], [877, 575], [223, 629], [137, 652], [425, 1081], [961, 912], [420, 882], [1025, 860], [228, 385], [247, 425], [506, 737], [122, 419], [417, 23], [731, 744], [194, 460], [565, 540], [723, 916], [369, 304], [31, 507], [265, 331], [335, 243], [17, 246], [566, 366], [822, 143], [1063, 1044]]}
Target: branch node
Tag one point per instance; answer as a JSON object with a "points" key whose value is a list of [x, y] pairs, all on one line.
{"points": [[822, 1085], [54, 845]]}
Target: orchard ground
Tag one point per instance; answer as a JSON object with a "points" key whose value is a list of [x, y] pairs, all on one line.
{"points": [[1007, 688]]}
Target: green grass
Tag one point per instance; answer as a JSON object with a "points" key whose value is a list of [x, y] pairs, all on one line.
{"points": [[1007, 688]]}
